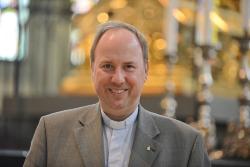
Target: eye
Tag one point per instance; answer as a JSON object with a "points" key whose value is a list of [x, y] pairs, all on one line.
{"points": [[108, 67], [129, 67]]}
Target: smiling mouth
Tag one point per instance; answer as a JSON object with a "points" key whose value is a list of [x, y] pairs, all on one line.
{"points": [[117, 91]]}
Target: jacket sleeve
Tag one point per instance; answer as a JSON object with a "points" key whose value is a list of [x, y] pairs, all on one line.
{"points": [[199, 156], [37, 155]]}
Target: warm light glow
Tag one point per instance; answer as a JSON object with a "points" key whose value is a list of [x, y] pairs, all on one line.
{"points": [[102, 17], [241, 134], [216, 154], [180, 16], [118, 4], [160, 44], [218, 21], [163, 2], [242, 74]]}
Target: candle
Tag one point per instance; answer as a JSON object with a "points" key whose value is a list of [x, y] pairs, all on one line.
{"points": [[245, 10], [204, 29], [171, 28]]}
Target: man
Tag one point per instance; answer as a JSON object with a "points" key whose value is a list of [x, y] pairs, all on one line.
{"points": [[117, 131]]}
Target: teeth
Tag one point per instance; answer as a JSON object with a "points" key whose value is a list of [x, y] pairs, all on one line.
{"points": [[118, 91]]}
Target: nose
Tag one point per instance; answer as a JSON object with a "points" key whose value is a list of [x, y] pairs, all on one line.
{"points": [[118, 77]]}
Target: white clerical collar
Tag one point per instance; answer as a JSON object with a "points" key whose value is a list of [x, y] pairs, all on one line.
{"points": [[119, 124]]}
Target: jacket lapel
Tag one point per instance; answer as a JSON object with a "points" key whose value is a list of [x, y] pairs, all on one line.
{"points": [[89, 138], [145, 148]]}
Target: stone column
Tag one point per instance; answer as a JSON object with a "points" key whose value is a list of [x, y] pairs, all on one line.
{"points": [[48, 57]]}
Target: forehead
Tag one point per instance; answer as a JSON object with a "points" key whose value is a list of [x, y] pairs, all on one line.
{"points": [[119, 35], [118, 41], [118, 45]]}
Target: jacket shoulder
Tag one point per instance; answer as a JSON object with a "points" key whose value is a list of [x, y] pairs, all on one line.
{"points": [[167, 124], [68, 116]]}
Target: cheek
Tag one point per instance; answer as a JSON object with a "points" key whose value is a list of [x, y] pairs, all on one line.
{"points": [[95, 78], [100, 79], [137, 81]]}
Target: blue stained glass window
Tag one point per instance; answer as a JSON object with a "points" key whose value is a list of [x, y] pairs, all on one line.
{"points": [[8, 30], [14, 15], [8, 35]]}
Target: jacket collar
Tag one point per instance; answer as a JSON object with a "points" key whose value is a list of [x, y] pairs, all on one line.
{"points": [[145, 147], [89, 137], [90, 141]]}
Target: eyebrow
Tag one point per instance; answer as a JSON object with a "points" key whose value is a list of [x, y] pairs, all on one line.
{"points": [[109, 61], [130, 62], [105, 61]]}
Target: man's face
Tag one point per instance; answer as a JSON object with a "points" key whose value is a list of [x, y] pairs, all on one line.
{"points": [[118, 73]]}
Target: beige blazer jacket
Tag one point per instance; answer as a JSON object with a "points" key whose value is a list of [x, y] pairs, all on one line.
{"points": [[73, 138]]}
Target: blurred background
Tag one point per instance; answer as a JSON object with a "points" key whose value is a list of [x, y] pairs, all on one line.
{"points": [[199, 69]]}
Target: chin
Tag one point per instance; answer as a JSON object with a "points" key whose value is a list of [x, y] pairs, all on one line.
{"points": [[118, 106]]}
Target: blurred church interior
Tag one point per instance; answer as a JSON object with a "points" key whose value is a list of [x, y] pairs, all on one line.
{"points": [[199, 67]]}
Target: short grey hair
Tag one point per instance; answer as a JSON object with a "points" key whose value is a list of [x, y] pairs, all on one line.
{"points": [[119, 25]]}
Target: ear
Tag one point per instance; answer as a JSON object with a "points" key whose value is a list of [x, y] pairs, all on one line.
{"points": [[92, 71], [146, 78], [146, 71]]}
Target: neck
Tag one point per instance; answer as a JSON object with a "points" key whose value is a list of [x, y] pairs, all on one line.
{"points": [[118, 114], [117, 117]]}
